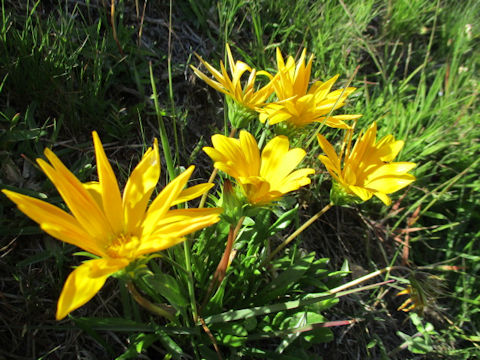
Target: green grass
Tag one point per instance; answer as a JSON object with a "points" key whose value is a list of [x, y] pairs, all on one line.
{"points": [[64, 72]]}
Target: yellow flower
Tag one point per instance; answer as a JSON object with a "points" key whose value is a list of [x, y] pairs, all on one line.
{"points": [[263, 178], [368, 169], [247, 96], [297, 104], [416, 301], [116, 229]]}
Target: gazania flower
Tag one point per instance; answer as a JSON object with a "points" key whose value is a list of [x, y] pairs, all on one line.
{"points": [[416, 300], [118, 229], [367, 169], [264, 178], [247, 96], [422, 291], [297, 104]]}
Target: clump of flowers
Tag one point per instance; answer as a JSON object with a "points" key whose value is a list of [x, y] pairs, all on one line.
{"points": [[117, 229], [121, 231]]}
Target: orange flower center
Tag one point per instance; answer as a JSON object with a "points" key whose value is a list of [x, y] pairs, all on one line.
{"points": [[123, 246]]}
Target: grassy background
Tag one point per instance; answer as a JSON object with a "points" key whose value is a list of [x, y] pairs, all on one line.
{"points": [[66, 69]]}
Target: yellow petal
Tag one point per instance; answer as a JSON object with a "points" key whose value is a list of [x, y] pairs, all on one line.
{"points": [[334, 172], [95, 190], [139, 188], [330, 152], [390, 184], [233, 153], [192, 193], [84, 282], [389, 150], [295, 180], [289, 162], [214, 154], [171, 229], [362, 193], [231, 62], [272, 156], [337, 121], [251, 152], [111, 198], [396, 168], [164, 201], [384, 197], [55, 222], [84, 208], [216, 85]]}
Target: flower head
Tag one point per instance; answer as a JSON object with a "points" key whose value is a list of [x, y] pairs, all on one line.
{"points": [[416, 299], [247, 96], [297, 104], [367, 169], [118, 229], [264, 178], [423, 290]]}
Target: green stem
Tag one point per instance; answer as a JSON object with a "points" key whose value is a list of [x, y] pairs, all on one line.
{"points": [[155, 309], [170, 83], [161, 128], [296, 233], [341, 288], [191, 290]]}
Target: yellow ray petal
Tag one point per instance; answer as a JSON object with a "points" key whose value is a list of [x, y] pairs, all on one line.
{"points": [[95, 190], [383, 197], [111, 198], [232, 151], [84, 282], [361, 192], [84, 208], [139, 188], [214, 154], [216, 85], [390, 184], [164, 201], [391, 169], [192, 193], [330, 152], [55, 222], [251, 152], [272, 155], [295, 180], [172, 228], [288, 162]]}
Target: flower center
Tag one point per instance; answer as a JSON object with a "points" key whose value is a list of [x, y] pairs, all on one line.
{"points": [[123, 246]]}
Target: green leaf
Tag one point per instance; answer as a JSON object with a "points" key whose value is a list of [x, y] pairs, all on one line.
{"points": [[283, 221], [138, 343], [285, 280], [168, 287], [230, 334], [170, 345]]}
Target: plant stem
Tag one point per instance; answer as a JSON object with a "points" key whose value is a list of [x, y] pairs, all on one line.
{"points": [[225, 261], [296, 233], [155, 309], [366, 277], [161, 128], [170, 83], [191, 290]]}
